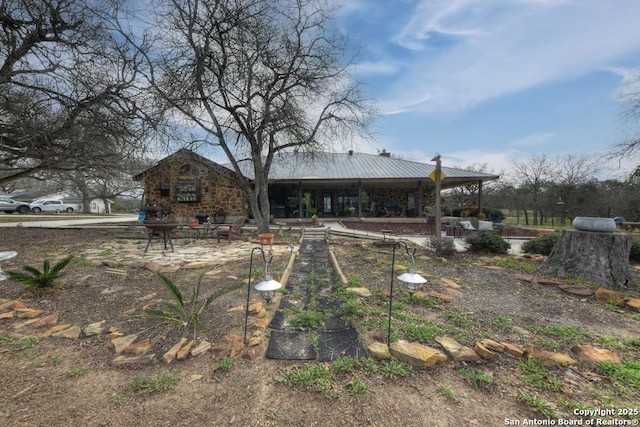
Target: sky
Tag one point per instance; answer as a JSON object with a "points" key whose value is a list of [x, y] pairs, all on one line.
{"points": [[497, 81]]}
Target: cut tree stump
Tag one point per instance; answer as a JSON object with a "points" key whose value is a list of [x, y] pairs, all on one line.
{"points": [[602, 258]]}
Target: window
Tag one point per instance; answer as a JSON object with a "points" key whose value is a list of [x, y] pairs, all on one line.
{"points": [[189, 170], [187, 190]]}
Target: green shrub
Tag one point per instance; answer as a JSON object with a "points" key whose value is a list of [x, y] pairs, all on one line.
{"points": [[181, 312], [37, 280], [441, 245], [542, 245], [484, 241], [635, 250]]}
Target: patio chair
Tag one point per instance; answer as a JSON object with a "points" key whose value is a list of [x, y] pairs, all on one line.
{"points": [[230, 231]]}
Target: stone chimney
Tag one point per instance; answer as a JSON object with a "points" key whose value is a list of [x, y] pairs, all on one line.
{"points": [[384, 153]]}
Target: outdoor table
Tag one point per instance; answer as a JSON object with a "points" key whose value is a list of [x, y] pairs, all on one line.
{"points": [[6, 256], [166, 228], [205, 231]]}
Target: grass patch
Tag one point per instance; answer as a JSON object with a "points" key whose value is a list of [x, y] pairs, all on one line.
{"points": [[314, 378], [568, 335], [142, 385], [394, 369], [625, 374], [224, 365], [536, 374], [76, 372], [477, 377], [537, 403], [447, 392]]}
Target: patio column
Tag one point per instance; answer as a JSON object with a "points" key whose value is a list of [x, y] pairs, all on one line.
{"points": [[300, 200], [419, 207], [480, 196], [359, 199]]}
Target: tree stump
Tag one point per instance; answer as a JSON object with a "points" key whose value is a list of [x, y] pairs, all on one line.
{"points": [[602, 258]]}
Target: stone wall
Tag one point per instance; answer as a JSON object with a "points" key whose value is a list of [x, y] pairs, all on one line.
{"points": [[215, 187]]}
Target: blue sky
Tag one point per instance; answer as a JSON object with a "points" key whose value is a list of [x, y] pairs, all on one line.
{"points": [[493, 81]]}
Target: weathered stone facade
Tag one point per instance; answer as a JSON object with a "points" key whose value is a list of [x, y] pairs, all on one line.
{"points": [[186, 184]]}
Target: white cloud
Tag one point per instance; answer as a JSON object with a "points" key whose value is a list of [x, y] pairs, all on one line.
{"points": [[489, 48], [535, 140]]}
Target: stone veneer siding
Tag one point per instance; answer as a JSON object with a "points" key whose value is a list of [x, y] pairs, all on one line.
{"points": [[218, 188]]}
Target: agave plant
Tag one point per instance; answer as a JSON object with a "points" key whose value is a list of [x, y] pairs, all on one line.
{"points": [[37, 280], [183, 313]]}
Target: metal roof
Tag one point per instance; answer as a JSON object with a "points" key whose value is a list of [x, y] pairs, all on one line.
{"points": [[340, 169], [289, 167]]}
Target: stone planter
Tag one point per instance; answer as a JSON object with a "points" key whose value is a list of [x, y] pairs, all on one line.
{"points": [[583, 223]]}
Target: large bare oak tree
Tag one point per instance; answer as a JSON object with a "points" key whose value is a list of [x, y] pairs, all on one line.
{"points": [[257, 78], [70, 95]]}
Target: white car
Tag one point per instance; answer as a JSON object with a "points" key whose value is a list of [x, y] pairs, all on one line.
{"points": [[46, 205]]}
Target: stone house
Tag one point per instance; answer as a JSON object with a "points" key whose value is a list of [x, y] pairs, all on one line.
{"points": [[327, 184]]}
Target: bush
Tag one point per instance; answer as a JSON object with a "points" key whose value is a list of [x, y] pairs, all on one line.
{"points": [[635, 250], [485, 241], [442, 246], [542, 245]]}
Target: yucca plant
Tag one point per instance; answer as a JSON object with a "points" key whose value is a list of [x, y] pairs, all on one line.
{"points": [[179, 312], [40, 281]]}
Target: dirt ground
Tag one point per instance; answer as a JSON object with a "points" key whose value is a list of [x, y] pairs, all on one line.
{"points": [[75, 382]]}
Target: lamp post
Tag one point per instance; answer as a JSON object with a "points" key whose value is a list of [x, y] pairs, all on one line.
{"points": [[411, 279], [267, 287]]}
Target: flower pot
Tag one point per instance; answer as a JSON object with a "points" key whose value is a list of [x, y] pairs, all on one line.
{"points": [[265, 238]]}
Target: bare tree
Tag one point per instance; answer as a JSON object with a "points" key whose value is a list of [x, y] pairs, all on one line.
{"points": [[260, 77], [534, 174], [69, 87]]}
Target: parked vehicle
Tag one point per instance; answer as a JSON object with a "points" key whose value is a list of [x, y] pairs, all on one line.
{"points": [[9, 206], [48, 205]]}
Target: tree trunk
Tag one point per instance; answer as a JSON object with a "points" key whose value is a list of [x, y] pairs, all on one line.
{"points": [[602, 258]]}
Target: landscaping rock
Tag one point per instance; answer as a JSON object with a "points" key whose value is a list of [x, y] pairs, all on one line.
{"points": [[492, 345], [55, 329], [548, 358], [94, 329], [416, 354], [48, 320], [27, 313], [438, 295], [582, 291], [170, 355], [361, 292], [379, 350], [449, 283], [138, 348], [184, 351], [513, 349], [201, 348], [120, 343], [134, 360], [633, 304], [456, 350], [237, 309], [608, 296], [72, 332], [484, 352], [595, 355]]}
